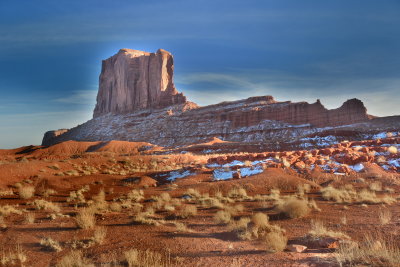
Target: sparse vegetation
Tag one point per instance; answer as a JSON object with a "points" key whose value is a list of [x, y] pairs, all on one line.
{"points": [[26, 192], [293, 207], [50, 244], [136, 258], [85, 219], [75, 259]]}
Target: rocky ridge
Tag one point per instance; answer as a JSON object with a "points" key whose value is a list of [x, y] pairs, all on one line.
{"points": [[137, 101]]}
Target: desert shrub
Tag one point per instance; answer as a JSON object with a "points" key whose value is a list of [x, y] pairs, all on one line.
{"points": [[374, 250], [50, 244], [294, 208], [9, 209], [238, 192], [26, 192], [385, 216], [318, 230], [194, 193], [137, 258], [187, 211], [85, 219], [41, 204], [116, 207], [275, 241], [375, 186], [30, 218], [74, 259], [222, 217], [337, 195], [99, 234], [15, 257], [234, 210], [260, 220], [136, 195]]}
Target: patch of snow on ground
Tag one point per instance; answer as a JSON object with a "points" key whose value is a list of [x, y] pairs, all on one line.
{"points": [[394, 162], [234, 163], [251, 171], [178, 174], [358, 167], [213, 165], [221, 174]]}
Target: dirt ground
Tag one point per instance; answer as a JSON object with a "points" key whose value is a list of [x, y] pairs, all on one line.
{"points": [[143, 198]]}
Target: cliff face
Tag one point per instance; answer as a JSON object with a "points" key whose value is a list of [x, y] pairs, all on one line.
{"points": [[132, 80]]}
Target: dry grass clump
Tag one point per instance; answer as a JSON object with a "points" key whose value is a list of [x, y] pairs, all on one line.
{"points": [[222, 217], [293, 207], [41, 204], [258, 227], [349, 195], [4, 193], [234, 210], [77, 197], [138, 258], [99, 203], [260, 220], [187, 211], [194, 193], [275, 241], [375, 186], [238, 193], [135, 195], [14, 257], [318, 230], [85, 219], [50, 244], [375, 250], [9, 209], [385, 216], [99, 234], [74, 259], [30, 218], [116, 207], [26, 192]]}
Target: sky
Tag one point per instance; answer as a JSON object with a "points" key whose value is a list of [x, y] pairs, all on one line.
{"points": [[333, 50]]}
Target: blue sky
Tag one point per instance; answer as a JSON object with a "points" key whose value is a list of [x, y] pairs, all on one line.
{"points": [[51, 52]]}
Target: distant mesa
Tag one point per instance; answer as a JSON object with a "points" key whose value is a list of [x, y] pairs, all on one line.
{"points": [[137, 101]]}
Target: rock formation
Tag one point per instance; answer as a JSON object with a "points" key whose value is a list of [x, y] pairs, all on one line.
{"points": [[133, 80], [137, 101]]}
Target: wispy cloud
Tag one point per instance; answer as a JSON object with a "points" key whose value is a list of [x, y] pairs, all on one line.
{"points": [[81, 97]]}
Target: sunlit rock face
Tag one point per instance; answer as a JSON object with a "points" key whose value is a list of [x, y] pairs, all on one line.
{"points": [[133, 80]]}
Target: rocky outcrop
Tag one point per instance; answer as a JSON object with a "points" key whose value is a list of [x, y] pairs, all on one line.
{"points": [[133, 80], [137, 101], [51, 135]]}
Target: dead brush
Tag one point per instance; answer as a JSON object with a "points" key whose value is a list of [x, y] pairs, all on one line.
{"points": [[135, 258], [75, 258], [15, 257], [187, 211], [50, 244], [238, 193], [41, 204], [349, 195], [26, 192], [319, 230], [384, 217], [375, 250], [85, 219], [293, 207]]}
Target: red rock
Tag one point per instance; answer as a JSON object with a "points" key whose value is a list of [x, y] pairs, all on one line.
{"points": [[133, 80]]}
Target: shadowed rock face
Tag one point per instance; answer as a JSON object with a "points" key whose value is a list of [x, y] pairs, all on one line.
{"points": [[132, 80]]}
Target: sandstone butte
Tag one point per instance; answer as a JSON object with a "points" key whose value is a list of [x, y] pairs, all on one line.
{"points": [[137, 101]]}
